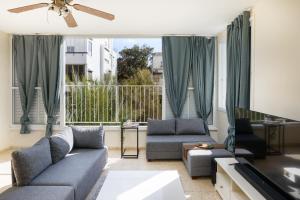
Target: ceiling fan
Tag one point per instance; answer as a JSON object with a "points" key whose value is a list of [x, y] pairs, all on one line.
{"points": [[62, 7]]}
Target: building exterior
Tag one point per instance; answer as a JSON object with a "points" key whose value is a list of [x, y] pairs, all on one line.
{"points": [[157, 68], [90, 58]]}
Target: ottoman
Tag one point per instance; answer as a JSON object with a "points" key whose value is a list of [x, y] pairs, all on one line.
{"points": [[198, 162]]}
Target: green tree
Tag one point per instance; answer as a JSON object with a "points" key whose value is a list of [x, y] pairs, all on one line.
{"points": [[140, 99], [131, 60], [141, 77]]}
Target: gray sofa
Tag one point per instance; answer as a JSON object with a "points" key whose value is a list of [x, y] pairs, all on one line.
{"points": [[165, 137], [71, 177]]}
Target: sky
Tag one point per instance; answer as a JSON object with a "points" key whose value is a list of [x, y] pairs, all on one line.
{"points": [[121, 43]]}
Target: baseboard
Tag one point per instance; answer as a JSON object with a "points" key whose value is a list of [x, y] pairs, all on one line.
{"points": [[7, 149]]}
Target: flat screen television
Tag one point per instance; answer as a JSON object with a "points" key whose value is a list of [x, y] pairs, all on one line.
{"points": [[275, 144]]}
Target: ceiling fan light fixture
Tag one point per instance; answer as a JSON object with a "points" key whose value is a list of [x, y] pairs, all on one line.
{"points": [[64, 11], [61, 11], [54, 8], [61, 7]]}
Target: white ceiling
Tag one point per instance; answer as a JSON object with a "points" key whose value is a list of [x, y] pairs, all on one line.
{"points": [[133, 17]]}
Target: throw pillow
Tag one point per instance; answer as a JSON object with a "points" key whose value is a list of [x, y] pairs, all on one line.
{"points": [[190, 126], [88, 137], [61, 144], [161, 127], [30, 162]]}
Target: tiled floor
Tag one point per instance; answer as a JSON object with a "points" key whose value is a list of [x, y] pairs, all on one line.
{"points": [[5, 170], [199, 189]]}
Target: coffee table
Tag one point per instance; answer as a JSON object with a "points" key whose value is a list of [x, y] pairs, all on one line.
{"points": [[142, 185]]}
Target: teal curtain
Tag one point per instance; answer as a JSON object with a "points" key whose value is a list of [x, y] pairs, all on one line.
{"points": [[203, 64], [25, 51], [49, 74], [177, 63], [238, 71]]}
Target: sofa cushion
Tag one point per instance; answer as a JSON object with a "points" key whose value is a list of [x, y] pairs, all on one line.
{"points": [[80, 169], [61, 144], [190, 126], [38, 193], [88, 137], [169, 143], [161, 127], [30, 162]]}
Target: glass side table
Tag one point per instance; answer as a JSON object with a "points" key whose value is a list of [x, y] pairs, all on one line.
{"points": [[277, 129], [123, 130]]}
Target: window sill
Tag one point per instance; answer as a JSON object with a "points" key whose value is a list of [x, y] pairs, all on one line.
{"points": [[36, 127], [212, 128], [106, 128], [221, 110]]}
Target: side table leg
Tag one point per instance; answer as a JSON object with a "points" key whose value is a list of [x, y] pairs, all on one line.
{"points": [[121, 143]]}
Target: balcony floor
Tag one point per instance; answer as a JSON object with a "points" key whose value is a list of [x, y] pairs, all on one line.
{"points": [[198, 189]]}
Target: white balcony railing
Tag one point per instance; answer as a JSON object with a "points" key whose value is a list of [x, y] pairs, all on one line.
{"points": [[110, 104]]}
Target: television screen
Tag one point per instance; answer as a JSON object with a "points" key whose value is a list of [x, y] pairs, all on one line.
{"points": [[275, 144]]}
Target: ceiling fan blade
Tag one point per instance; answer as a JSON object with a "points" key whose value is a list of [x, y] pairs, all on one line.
{"points": [[70, 20], [27, 8], [93, 11]]}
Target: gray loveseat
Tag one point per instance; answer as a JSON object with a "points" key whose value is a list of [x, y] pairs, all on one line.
{"points": [[165, 137], [63, 167]]}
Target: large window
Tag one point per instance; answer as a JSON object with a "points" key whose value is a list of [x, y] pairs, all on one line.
{"points": [[121, 80]]}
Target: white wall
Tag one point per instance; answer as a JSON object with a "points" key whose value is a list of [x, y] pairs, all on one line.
{"points": [[222, 126], [4, 90], [276, 58]]}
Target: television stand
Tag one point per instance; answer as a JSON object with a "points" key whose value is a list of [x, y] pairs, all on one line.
{"points": [[231, 185]]}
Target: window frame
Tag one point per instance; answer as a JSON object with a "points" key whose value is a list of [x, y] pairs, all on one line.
{"points": [[223, 73]]}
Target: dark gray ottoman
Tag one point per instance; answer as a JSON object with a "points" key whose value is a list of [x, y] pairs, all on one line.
{"points": [[198, 162], [169, 147]]}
